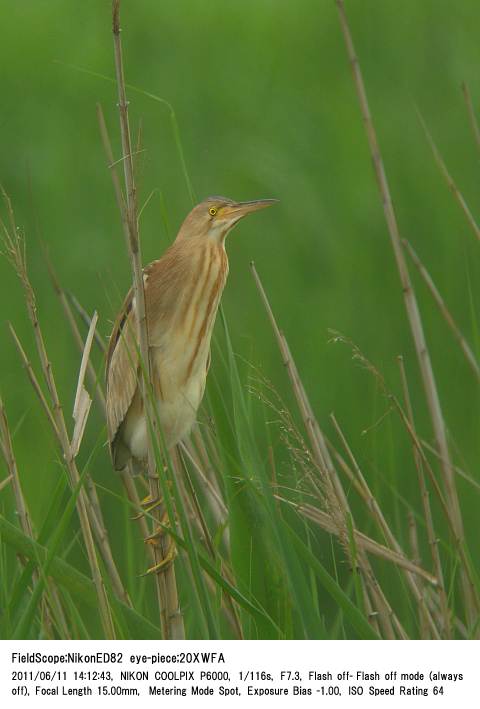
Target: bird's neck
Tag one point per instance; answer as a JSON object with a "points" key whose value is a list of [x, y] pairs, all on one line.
{"points": [[200, 301], [187, 293]]}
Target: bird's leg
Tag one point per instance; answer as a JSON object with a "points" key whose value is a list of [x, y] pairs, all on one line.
{"points": [[149, 504], [164, 563], [165, 549], [156, 540]]}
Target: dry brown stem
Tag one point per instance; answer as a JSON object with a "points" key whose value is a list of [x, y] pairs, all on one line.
{"points": [[413, 312], [15, 250], [447, 316], [5, 482], [363, 541], [427, 511], [338, 506], [458, 471], [471, 114], [67, 309], [51, 606], [67, 301], [170, 616], [416, 557], [84, 507], [452, 185], [377, 514]]}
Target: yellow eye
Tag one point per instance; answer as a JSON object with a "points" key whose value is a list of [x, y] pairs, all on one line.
{"points": [[212, 211]]}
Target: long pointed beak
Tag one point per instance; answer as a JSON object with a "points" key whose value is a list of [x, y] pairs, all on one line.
{"points": [[241, 209]]}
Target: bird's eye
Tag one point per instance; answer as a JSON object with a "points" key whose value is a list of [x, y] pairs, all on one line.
{"points": [[212, 211]]}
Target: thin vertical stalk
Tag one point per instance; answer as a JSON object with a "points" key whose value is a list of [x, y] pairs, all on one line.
{"points": [[446, 314], [416, 557], [427, 510], [471, 114], [93, 507], [326, 468], [53, 599], [97, 520], [126, 476], [15, 248], [57, 422], [213, 498], [451, 184], [377, 514], [67, 309], [7, 450], [413, 312], [165, 582], [199, 520]]}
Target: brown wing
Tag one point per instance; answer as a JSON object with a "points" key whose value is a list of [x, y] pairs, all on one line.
{"points": [[121, 369]]}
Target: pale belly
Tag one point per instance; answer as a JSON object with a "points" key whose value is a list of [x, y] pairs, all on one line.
{"points": [[177, 411]]}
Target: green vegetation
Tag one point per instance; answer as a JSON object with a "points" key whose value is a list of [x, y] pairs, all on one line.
{"points": [[284, 514]]}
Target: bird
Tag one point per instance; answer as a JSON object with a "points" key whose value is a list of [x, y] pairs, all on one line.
{"points": [[182, 290]]}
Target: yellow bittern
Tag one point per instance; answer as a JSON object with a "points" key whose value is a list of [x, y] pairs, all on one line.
{"points": [[182, 294]]}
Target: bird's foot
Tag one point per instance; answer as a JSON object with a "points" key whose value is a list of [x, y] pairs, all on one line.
{"points": [[164, 564], [148, 504], [156, 537]]}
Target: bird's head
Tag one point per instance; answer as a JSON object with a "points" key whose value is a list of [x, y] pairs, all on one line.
{"points": [[216, 216]]}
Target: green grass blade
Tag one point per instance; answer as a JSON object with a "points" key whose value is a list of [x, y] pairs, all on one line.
{"points": [[79, 585], [351, 613]]}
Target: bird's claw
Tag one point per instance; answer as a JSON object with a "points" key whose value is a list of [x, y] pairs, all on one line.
{"points": [[148, 504], [163, 565], [159, 533]]}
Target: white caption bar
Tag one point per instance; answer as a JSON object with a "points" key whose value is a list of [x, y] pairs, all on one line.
{"points": [[262, 673]]}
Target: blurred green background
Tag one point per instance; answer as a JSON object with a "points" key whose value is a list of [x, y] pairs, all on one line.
{"points": [[266, 107]]}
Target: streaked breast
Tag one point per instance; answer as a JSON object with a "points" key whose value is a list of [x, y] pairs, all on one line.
{"points": [[182, 338]]}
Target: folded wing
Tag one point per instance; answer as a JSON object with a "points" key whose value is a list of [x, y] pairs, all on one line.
{"points": [[121, 372]]}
